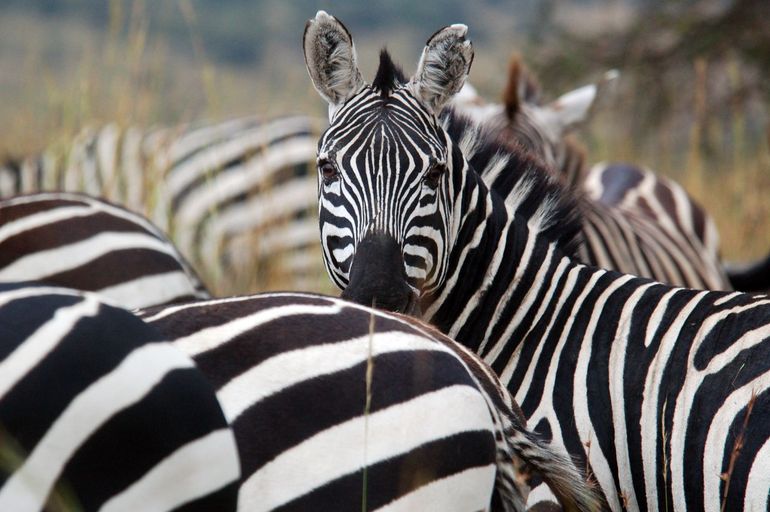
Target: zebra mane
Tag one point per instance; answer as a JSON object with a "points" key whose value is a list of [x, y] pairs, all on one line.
{"points": [[520, 179], [389, 75]]}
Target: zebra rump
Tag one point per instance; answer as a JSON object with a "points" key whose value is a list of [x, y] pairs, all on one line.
{"points": [[76, 241], [98, 411], [341, 407]]}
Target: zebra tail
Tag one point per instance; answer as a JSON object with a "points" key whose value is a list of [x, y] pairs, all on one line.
{"points": [[750, 277], [573, 490]]}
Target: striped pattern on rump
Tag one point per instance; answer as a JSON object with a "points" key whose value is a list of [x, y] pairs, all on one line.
{"points": [[238, 197], [80, 242], [335, 405], [99, 412]]}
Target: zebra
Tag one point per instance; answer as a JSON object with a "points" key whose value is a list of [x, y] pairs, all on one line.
{"points": [[662, 392], [236, 196], [336, 406], [634, 220], [98, 411], [76, 241]]}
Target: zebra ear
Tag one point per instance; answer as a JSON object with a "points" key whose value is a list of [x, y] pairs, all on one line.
{"points": [[444, 66], [576, 106], [522, 87], [330, 57]]}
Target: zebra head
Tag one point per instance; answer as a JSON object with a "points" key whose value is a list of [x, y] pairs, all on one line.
{"points": [[387, 171], [544, 129]]}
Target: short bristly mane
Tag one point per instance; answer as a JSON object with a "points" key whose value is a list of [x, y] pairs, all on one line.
{"points": [[389, 75], [518, 177]]}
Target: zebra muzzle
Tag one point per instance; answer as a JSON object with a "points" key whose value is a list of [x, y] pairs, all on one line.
{"points": [[378, 278]]}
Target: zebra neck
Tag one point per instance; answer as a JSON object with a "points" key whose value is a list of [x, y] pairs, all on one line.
{"points": [[497, 275]]}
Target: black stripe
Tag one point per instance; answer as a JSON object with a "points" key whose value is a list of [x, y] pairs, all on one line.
{"points": [[116, 267], [93, 348], [294, 414], [20, 318], [57, 234], [178, 410], [398, 476]]}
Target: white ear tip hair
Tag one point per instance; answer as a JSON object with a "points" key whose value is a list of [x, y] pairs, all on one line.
{"points": [[460, 28], [323, 16], [612, 74]]}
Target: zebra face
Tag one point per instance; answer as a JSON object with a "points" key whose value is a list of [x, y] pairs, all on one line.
{"points": [[386, 174]]}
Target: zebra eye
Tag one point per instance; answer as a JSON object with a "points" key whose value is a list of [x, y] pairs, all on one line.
{"points": [[434, 174], [328, 171]]}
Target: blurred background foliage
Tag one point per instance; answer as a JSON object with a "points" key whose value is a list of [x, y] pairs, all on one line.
{"points": [[692, 101]]}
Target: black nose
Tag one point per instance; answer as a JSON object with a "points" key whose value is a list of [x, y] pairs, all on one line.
{"points": [[377, 276]]}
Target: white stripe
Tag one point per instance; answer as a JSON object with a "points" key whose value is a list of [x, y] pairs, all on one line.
{"points": [[201, 201], [196, 469], [616, 367], [720, 430], [29, 486], [692, 383], [37, 346], [583, 424], [43, 218], [757, 497], [649, 420], [212, 337], [60, 259], [339, 450], [289, 368], [151, 290], [468, 490], [542, 493]]}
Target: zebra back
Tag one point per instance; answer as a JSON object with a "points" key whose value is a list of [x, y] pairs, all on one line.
{"points": [[634, 221], [406, 418], [98, 411], [76, 241], [235, 196]]}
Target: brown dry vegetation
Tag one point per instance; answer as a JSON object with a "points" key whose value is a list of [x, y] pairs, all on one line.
{"points": [[58, 75]]}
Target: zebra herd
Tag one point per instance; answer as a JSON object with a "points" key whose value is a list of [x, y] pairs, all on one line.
{"points": [[538, 375]]}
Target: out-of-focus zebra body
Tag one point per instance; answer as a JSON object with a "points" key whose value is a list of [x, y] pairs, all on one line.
{"points": [[329, 400], [664, 393], [76, 241], [236, 196], [660, 210], [634, 221], [99, 412]]}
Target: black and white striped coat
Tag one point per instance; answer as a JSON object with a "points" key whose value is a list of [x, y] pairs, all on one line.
{"points": [[76, 241], [340, 407], [664, 393], [99, 412], [235, 196], [633, 220]]}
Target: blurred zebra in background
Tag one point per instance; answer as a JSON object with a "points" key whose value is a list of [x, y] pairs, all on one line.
{"points": [[634, 220], [76, 241], [341, 407], [98, 411], [236, 197], [240, 200]]}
